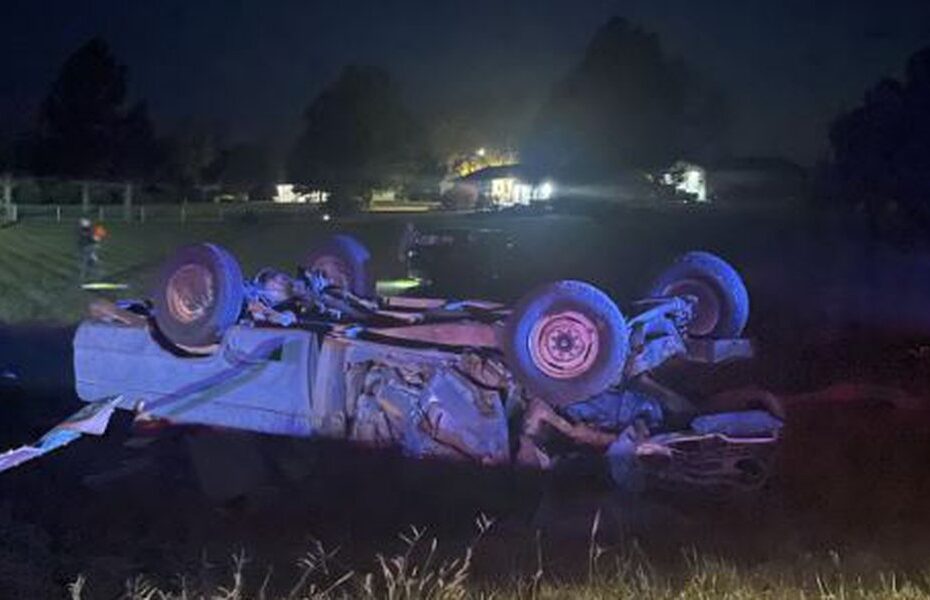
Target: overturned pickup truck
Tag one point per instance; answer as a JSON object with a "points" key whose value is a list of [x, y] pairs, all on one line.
{"points": [[562, 373]]}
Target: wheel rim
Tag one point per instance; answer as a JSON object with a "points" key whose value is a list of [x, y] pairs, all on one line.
{"points": [[190, 293], [335, 270], [564, 345], [706, 309]]}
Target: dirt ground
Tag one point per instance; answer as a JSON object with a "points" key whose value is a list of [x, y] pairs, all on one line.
{"points": [[853, 471]]}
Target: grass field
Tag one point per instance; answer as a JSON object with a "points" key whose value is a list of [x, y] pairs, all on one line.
{"points": [[848, 521], [797, 266], [39, 262]]}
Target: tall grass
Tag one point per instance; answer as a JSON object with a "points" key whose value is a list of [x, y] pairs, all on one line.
{"points": [[416, 572]]}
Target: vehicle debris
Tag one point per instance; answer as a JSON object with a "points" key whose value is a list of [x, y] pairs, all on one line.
{"points": [[318, 355], [92, 419]]}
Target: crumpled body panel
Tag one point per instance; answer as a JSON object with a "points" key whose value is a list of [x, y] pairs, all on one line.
{"points": [[259, 380], [422, 401]]}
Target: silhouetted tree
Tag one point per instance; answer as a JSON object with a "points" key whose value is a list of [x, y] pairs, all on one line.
{"points": [[881, 149], [139, 153], [626, 104], [358, 136], [193, 154], [86, 128], [6, 155], [246, 168], [495, 120]]}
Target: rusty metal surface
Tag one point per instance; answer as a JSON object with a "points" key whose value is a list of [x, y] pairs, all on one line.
{"points": [[471, 334], [713, 462], [711, 351], [104, 310]]}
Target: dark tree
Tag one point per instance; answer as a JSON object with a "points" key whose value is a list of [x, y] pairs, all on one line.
{"points": [[491, 120], [358, 135], [6, 155], [881, 149], [626, 104], [245, 168], [193, 156], [139, 153], [86, 128]]}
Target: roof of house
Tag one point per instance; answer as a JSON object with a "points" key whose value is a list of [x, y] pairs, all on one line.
{"points": [[499, 172]]}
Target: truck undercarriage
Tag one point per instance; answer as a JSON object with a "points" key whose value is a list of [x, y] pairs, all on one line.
{"points": [[562, 373]]}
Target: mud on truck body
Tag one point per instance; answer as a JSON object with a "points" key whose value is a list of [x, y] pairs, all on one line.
{"points": [[318, 355]]}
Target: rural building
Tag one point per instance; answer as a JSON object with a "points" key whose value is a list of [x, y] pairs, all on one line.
{"points": [[505, 186], [688, 179], [289, 193]]}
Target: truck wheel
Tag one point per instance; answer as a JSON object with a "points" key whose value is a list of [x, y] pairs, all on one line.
{"points": [[722, 308], [344, 260], [566, 341], [199, 295]]}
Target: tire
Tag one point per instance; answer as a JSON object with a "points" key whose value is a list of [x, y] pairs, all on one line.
{"points": [[722, 310], [579, 315], [345, 261], [198, 296]]}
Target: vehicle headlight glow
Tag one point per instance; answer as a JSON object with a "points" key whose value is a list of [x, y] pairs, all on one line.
{"points": [[546, 190]]}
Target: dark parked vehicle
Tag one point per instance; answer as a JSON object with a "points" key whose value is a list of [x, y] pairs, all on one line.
{"points": [[457, 260]]}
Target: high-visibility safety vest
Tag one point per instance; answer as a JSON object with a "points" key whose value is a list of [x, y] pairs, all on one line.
{"points": [[100, 232]]}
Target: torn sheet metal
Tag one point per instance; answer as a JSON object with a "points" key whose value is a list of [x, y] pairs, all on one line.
{"points": [[720, 453], [426, 408], [461, 420], [90, 420], [615, 410], [744, 423]]}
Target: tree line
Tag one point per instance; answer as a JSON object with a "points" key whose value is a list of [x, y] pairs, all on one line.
{"points": [[626, 104]]}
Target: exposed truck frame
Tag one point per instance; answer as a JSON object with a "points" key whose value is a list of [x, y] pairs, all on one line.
{"points": [[478, 381]]}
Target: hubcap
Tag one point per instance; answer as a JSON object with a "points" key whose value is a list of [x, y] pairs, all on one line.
{"points": [[564, 345], [190, 293]]}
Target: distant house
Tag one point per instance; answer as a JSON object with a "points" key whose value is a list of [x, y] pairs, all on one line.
{"points": [[688, 179], [288, 193], [503, 186]]}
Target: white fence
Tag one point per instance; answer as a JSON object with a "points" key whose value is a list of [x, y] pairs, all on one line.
{"points": [[177, 213]]}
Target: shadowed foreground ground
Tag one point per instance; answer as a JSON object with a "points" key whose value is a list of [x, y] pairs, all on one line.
{"points": [[849, 501]]}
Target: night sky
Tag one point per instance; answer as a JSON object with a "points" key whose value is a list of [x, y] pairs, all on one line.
{"points": [[787, 66]]}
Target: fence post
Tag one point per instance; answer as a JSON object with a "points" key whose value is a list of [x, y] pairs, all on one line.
{"points": [[142, 214], [184, 213], [58, 213], [127, 201], [100, 213], [85, 197], [8, 195]]}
